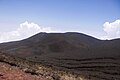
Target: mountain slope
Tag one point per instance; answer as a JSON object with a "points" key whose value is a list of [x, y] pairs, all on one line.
{"points": [[62, 43], [74, 52]]}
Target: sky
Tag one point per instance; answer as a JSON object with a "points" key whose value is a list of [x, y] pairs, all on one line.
{"points": [[20, 19]]}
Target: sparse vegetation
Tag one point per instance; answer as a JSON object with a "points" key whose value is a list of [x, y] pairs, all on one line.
{"points": [[36, 68]]}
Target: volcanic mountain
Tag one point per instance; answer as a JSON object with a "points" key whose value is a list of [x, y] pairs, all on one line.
{"points": [[75, 52]]}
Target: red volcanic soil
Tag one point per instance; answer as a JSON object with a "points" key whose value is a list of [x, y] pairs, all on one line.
{"points": [[8, 72]]}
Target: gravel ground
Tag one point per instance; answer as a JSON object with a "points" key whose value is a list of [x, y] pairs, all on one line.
{"points": [[8, 72]]}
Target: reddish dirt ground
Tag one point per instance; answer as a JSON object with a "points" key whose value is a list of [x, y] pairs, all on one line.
{"points": [[8, 72]]}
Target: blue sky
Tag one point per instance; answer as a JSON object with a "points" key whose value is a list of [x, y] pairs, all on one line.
{"points": [[87, 16]]}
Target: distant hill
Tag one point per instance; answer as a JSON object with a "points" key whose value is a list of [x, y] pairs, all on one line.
{"points": [[65, 44], [75, 52]]}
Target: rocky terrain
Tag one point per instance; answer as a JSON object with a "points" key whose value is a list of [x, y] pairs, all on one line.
{"points": [[65, 56], [8, 72]]}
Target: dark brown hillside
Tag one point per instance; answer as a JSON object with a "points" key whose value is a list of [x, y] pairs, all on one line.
{"points": [[74, 52], [62, 43]]}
